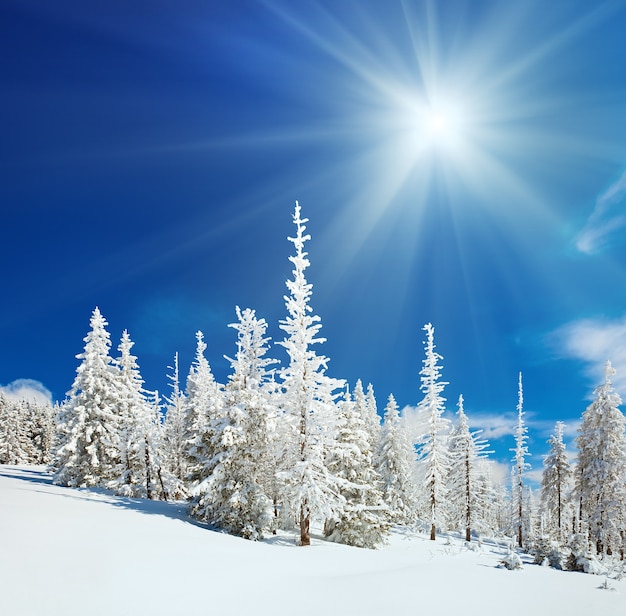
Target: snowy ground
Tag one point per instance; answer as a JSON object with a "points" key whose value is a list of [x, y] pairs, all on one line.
{"points": [[84, 552]]}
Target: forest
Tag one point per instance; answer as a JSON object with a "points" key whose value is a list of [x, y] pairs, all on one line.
{"points": [[289, 447]]}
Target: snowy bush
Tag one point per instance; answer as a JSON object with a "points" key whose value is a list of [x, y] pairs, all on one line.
{"points": [[549, 552], [511, 561]]}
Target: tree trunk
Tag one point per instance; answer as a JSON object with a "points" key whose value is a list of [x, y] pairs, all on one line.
{"points": [[305, 525], [468, 534], [433, 532]]}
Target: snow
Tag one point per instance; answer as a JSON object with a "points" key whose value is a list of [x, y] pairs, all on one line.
{"points": [[68, 552]]}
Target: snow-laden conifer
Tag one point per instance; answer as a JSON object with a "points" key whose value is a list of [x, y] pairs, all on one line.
{"points": [[520, 515], [16, 446], [89, 450], [235, 494], [601, 473], [432, 446], [555, 487], [308, 403], [364, 521], [132, 408], [395, 463], [203, 410], [176, 433], [464, 496]]}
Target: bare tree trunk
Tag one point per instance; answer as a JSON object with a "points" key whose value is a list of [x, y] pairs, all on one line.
{"points": [[433, 532], [165, 494], [468, 500], [305, 525], [148, 478]]}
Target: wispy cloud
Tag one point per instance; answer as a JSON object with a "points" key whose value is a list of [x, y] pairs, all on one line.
{"points": [[27, 389], [593, 342], [607, 217]]}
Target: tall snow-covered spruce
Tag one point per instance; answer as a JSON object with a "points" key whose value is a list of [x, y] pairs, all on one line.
{"points": [[465, 497], [601, 473], [395, 463], [555, 482], [520, 514], [235, 496], [311, 491], [89, 434], [364, 521], [432, 446]]}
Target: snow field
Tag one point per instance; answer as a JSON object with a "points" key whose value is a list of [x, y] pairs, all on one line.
{"points": [[70, 552]]}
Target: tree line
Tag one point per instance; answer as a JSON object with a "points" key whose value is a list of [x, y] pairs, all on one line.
{"points": [[283, 446]]}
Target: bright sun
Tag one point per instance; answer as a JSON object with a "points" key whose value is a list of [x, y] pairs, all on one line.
{"points": [[443, 126]]}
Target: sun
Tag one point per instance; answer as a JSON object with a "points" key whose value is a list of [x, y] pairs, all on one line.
{"points": [[442, 126]]}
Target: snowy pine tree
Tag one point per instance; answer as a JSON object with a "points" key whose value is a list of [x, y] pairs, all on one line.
{"points": [[464, 497], [89, 446], [432, 447], [132, 408], [519, 469], [364, 521], [366, 406], [235, 495], [395, 463], [601, 474], [555, 481], [204, 411], [308, 403], [176, 434]]}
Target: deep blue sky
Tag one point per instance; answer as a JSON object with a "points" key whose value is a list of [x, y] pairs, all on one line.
{"points": [[151, 154]]}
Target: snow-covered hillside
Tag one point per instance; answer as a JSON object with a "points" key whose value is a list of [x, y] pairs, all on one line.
{"points": [[85, 552]]}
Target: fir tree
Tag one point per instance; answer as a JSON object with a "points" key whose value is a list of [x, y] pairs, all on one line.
{"points": [[235, 495], [555, 481], [364, 521], [464, 497], [601, 476], [89, 449], [176, 434], [133, 409], [519, 469], [308, 403], [395, 463], [433, 453], [204, 409]]}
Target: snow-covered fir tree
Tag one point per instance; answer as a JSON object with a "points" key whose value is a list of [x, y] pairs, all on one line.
{"points": [[367, 408], [89, 442], [159, 482], [364, 521], [464, 497], [27, 431], [555, 487], [519, 514], [395, 463], [176, 433], [308, 404], [132, 409], [432, 446], [235, 495], [16, 446], [601, 473], [204, 411]]}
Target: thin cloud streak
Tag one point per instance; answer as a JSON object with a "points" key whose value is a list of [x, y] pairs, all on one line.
{"points": [[604, 219], [593, 342]]}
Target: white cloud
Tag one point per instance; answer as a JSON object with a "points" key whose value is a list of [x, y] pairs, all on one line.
{"points": [[604, 219], [593, 342], [27, 389], [494, 425]]}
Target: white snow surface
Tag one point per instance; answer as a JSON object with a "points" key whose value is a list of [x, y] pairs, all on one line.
{"points": [[86, 552]]}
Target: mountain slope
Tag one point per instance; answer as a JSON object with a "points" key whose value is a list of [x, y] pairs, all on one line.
{"points": [[85, 552]]}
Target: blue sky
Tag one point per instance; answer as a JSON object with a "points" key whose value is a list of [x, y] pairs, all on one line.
{"points": [[461, 163]]}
